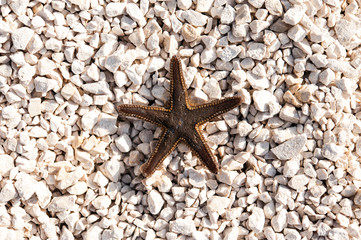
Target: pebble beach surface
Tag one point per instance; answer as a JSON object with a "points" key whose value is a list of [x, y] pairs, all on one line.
{"points": [[289, 155]]}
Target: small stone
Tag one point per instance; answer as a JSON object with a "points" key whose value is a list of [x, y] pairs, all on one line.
{"points": [[62, 203], [137, 37], [136, 14], [106, 125], [182, 226], [208, 56], [25, 185], [155, 64], [6, 163], [44, 85], [18, 6], [38, 132], [7, 192], [231, 233], [229, 52], [265, 101], [112, 169], [289, 113], [124, 143], [357, 198], [290, 148], [212, 89], [98, 88], [34, 107], [218, 204], [294, 14], [155, 202], [274, 7], [342, 66], [89, 119], [283, 195], [196, 179], [78, 188], [332, 152], [26, 73], [190, 33], [9, 112], [320, 60], [77, 66], [101, 202], [279, 222], [46, 66], [114, 9], [297, 33], [298, 182], [21, 37], [204, 5], [195, 18], [338, 234], [85, 52], [244, 128], [257, 3], [345, 31], [228, 14], [256, 51], [291, 168], [292, 234], [257, 82], [256, 220]]}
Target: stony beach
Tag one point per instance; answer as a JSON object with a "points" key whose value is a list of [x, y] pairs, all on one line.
{"points": [[289, 156]]}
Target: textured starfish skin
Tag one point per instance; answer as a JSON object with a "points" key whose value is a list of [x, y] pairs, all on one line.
{"points": [[180, 122]]}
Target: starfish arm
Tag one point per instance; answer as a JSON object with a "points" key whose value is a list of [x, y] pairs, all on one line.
{"points": [[178, 91], [165, 146], [208, 111], [155, 115], [199, 146]]}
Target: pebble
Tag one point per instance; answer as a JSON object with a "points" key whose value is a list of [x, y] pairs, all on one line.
{"points": [[106, 125], [256, 51], [44, 85], [25, 185], [290, 148], [266, 102], [182, 226], [8, 192], [62, 203], [89, 119], [136, 14], [114, 9], [228, 53], [124, 143], [34, 107], [294, 15], [298, 182], [218, 204], [332, 152], [256, 220], [196, 179], [155, 202], [21, 38], [279, 222], [195, 18], [7, 163], [97, 88], [101, 202]]}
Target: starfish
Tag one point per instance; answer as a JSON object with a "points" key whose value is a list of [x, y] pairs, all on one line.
{"points": [[181, 121]]}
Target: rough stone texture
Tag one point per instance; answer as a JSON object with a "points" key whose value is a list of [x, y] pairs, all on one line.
{"points": [[290, 148]]}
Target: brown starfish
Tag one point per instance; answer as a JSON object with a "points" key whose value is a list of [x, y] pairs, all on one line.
{"points": [[180, 122]]}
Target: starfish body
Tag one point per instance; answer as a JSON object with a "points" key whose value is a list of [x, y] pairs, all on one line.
{"points": [[180, 122]]}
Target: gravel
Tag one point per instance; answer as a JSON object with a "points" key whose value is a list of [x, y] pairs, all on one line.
{"points": [[289, 155]]}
